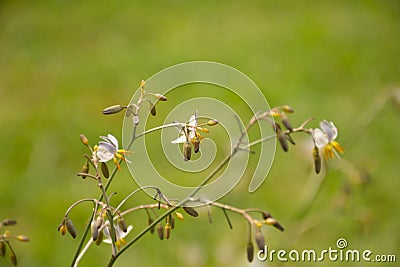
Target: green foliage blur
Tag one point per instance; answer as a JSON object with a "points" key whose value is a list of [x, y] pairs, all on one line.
{"points": [[62, 62]]}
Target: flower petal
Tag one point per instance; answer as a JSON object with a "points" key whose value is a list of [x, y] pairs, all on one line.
{"points": [[113, 140], [105, 151], [320, 138], [180, 139]]}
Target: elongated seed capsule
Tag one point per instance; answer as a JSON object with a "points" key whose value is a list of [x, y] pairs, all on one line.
{"points": [[104, 170], [191, 211], [112, 109], [281, 137], [84, 139], [260, 240], [212, 122], [62, 228], [160, 231], [250, 251], [22, 238], [99, 238], [167, 230], [70, 227], [150, 221], [286, 122], [317, 160], [196, 144], [122, 224], [187, 151], [13, 258], [94, 230], [2, 249], [153, 110]]}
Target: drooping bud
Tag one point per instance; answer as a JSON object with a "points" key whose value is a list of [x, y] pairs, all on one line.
{"points": [[212, 122], [288, 109], [85, 169], [13, 258], [99, 238], [99, 221], [317, 160], [94, 230], [2, 249], [167, 230], [113, 109], [250, 251], [104, 169], [70, 227], [160, 231], [153, 110], [266, 215], [260, 240], [9, 222], [172, 223], [204, 130], [286, 122], [142, 84], [187, 151], [191, 211], [84, 139], [196, 144], [161, 97], [150, 221], [122, 224], [22, 238], [281, 137]]}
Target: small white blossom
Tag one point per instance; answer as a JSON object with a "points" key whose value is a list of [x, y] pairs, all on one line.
{"points": [[190, 128], [120, 240], [108, 150], [325, 138]]}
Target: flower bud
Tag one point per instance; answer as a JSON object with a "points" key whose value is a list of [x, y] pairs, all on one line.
{"points": [[161, 97], [22, 238], [13, 258], [212, 122], [288, 109], [99, 221], [179, 216], [286, 122], [62, 228], [70, 227], [281, 137], [266, 215], [160, 231], [172, 223], [94, 230], [113, 109], [167, 230], [317, 160], [196, 144], [122, 224], [2, 249], [85, 169], [99, 238], [204, 130], [250, 251], [153, 110], [104, 169], [191, 211], [142, 84], [9, 222], [260, 240], [84, 139], [187, 151]]}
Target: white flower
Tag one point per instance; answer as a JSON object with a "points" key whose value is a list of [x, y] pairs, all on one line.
{"points": [[107, 148], [120, 240], [188, 131], [325, 138]]}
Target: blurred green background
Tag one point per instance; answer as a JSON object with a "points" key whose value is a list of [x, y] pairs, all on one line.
{"points": [[62, 62]]}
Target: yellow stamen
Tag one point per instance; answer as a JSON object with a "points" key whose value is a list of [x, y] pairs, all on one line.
{"points": [[117, 163], [337, 146]]}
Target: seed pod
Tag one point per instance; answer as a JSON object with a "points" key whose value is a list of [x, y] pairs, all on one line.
{"points": [[153, 110], [99, 221], [84, 139], [99, 238], [9, 222], [104, 169], [13, 258], [286, 122], [160, 231], [113, 109], [187, 151], [204, 130], [22, 238], [167, 230], [2, 249], [70, 227], [94, 230], [196, 144], [212, 122], [317, 160], [122, 224], [250, 251], [161, 97], [191, 211], [260, 240], [85, 169], [172, 223], [288, 109]]}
